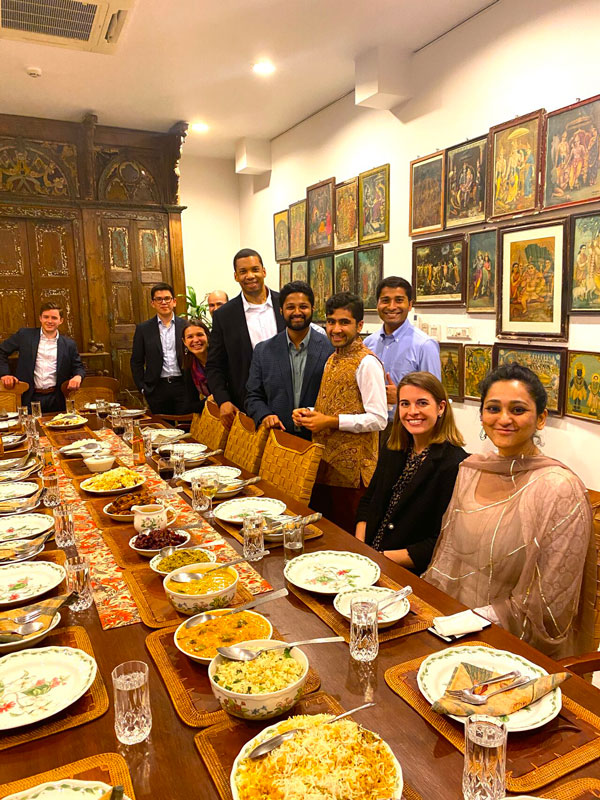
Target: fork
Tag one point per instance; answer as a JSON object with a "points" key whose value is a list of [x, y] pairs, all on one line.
{"points": [[468, 696], [508, 676]]}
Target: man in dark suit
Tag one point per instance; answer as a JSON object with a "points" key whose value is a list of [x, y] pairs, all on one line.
{"points": [[238, 326], [157, 355], [286, 370], [46, 360]]}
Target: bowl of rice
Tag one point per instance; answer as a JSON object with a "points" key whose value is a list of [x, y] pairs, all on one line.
{"points": [[216, 590], [263, 688]]}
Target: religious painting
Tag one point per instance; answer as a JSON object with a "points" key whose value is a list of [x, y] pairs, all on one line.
{"points": [[298, 229], [374, 205], [285, 273], [585, 263], [426, 206], [571, 169], [583, 385], [345, 280], [515, 152], [438, 271], [533, 285], [478, 362], [451, 357], [346, 214], [369, 271], [320, 217], [547, 363], [466, 166], [481, 272], [300, 270], [320, 272], [281, 232]]}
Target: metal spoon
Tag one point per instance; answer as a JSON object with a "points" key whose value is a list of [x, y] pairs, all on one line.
{"points": [[480, 699], [508, 676], [186, 577], [277, 740], [22, 630], [395, 598], [200, 618], [244, 654]]}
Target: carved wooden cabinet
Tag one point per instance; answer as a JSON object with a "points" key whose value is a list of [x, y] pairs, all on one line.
{"points": [[90, 218]]}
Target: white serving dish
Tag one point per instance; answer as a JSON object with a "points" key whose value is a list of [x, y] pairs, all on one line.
{"points": [[65, 789], [155, 560], [105, 492], [191, 604], [99, 463], [207, 661]]}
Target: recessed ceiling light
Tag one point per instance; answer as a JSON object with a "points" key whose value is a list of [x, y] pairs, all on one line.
{"points": [[200, 127], [263, 67]]}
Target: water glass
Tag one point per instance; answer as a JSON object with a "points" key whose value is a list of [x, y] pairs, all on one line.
{"points": [[133, 715], [209, 481], [364, 641], [34, 445], [50, 486], [293, 540], [70, 405], [178, 461], [254, 537], [200, 502], [485, 758], [30, 428], [147, 437], [36, 409], [23, 414], [128, 435], [78, 582], [116, 419], [64, 526]]}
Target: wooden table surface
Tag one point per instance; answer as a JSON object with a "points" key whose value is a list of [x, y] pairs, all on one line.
{"points": [[168, 765]]}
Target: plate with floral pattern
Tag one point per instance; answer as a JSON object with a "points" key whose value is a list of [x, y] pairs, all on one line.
{"points": [[66, 789], [235, 511], [223, 473], [36, 684], [11, 491], [331, 571], [27, 580], [22, 526]]}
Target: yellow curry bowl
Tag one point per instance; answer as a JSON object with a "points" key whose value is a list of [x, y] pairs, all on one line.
{"points": [[207, 636], [216, 590]]}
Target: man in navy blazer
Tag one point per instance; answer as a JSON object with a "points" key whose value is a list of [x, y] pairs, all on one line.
{"points": [[46, 359], [286, 370]]}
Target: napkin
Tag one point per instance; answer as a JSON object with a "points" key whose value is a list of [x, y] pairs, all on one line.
{"points": [[465, 675], [19, 503], [459, 624], [49, 608]]}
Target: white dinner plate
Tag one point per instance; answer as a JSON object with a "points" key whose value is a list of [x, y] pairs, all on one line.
{"points": [[223, 473], [60, 676], [68, 426], [192, 451], [331, 571], [29, 641], [7, 424], [65, 789], [132, 413], [11, 415], [13, 440], [165, 435], [436, 671], [27, 580], [22, 526], [235, 511], [17, 489], [390, 614]]}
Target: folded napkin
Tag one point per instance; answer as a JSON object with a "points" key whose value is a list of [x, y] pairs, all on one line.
{"points": [[459, 624], [465, 675], [49, 608], [19, 503]]}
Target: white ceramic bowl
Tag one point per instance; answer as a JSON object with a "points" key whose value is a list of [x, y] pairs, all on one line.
{"points": [[99, 463], [149, 553], [260, 706], [390, 615], [29, 641], [191, 604], [201, 660], [157, 559]]}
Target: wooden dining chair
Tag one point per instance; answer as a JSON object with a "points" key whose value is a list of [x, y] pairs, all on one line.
{"points": [[245, 444], [10, 399], [91, 389], [183, 421], [291, 464], [208, 428]]}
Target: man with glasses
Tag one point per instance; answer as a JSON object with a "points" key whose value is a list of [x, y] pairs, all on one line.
{"points": [[157, 355]]}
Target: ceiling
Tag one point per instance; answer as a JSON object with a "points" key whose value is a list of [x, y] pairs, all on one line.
{"points": [[190, 60]]}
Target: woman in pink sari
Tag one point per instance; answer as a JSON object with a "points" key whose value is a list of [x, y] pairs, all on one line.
{"points": [[516, 541]]}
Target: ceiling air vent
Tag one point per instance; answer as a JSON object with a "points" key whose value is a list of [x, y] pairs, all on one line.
{"points": [[95, 27]]}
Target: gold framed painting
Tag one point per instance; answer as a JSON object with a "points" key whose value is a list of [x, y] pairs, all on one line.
{"points": [[466, 166], [346, 214], [300, 270], [478, 362], [344, 272], [451, 358], [585, 263], [298, 229], [482, 267], [583, 385], [369, 271], [281, 234], [548, 363], [320, 272], [285, 273], [320, 217], [438, 271], [374, 205], [426, 201]]}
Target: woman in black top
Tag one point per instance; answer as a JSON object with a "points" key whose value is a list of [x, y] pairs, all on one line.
{"points": [[401, 512]]}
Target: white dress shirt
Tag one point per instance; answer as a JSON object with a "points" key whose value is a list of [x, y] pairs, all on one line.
{"points": [[260, 319], [44, 372], [170, 367], [371, 385]]}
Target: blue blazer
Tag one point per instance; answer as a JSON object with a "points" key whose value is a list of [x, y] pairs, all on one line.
{"points": [[269, 388], [26, 342]]}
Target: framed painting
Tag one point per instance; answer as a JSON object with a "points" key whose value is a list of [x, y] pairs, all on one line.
{"points": [[281, 232], [300, 270], [514, 166], [320, 278], [344, 272], [374, 205], [451, 357], [571, 168], [369, 271], [346, 214], [466, 166], [298, 229], [426, 202], [547, 363], [481, 272], [320, 217], [585, 263], [583, 385], [533, 287], [438, 271], [478, 362], [285, 273]]}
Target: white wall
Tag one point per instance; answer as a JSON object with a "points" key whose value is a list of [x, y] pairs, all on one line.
{"points": [[512, 59]]}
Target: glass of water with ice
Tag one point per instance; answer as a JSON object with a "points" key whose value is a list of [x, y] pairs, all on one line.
{"points": [[293, 540], [485, 758], [364, 637], [133, 715]]}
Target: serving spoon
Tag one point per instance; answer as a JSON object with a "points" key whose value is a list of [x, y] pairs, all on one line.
{"points": [[401, 594], [200, 618], [244, 654], [187, 577]]}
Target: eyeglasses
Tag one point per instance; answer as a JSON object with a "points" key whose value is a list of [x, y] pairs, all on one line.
{"points": [[162, 300]]}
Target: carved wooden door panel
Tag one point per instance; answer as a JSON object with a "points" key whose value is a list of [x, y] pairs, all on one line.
{"points": [[16, 299], [153, 259]]}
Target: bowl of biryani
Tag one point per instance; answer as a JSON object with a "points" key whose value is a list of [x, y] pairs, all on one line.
{"points": [[263, 688], [341, 759], [182, 557], [215, 590], [200, 641], [115, 481]]}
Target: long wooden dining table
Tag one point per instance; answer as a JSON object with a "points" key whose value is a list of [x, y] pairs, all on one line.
{"points": [[167, 765]]}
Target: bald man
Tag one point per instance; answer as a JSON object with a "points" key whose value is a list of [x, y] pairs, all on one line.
{"points": [[215, 300]]}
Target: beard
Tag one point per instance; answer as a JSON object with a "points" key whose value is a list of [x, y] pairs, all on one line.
{"points": [[298, 324]]}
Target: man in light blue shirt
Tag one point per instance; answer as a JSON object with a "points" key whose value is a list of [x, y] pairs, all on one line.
{"points": [[400, 346]]}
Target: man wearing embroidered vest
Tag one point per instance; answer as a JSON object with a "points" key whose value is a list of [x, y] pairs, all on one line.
{"points": [[350, 411]]}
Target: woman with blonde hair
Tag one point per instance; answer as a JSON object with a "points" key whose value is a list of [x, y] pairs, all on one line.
{"points": [[401, 512]]}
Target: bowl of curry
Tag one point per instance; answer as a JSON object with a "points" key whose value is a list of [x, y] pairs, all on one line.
{"points": [[215, 590], [200, 642]]}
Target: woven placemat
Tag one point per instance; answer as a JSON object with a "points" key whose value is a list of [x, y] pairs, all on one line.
{"points": [[580, 789], [187, 681], [310, 532], [533, 758], [110, 768], [93, 704], [418, 618], [153, 604], [117, 538]]}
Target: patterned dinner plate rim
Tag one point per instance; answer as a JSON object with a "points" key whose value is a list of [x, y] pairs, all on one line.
{"points": [[40, 566], [299, 562], [20, 517], [75, 786], [223, 509], [229, 473], [19, 485]]}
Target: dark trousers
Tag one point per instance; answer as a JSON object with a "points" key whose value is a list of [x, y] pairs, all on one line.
{"points": [[49, 402], [338, 503], [168, 398]]}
